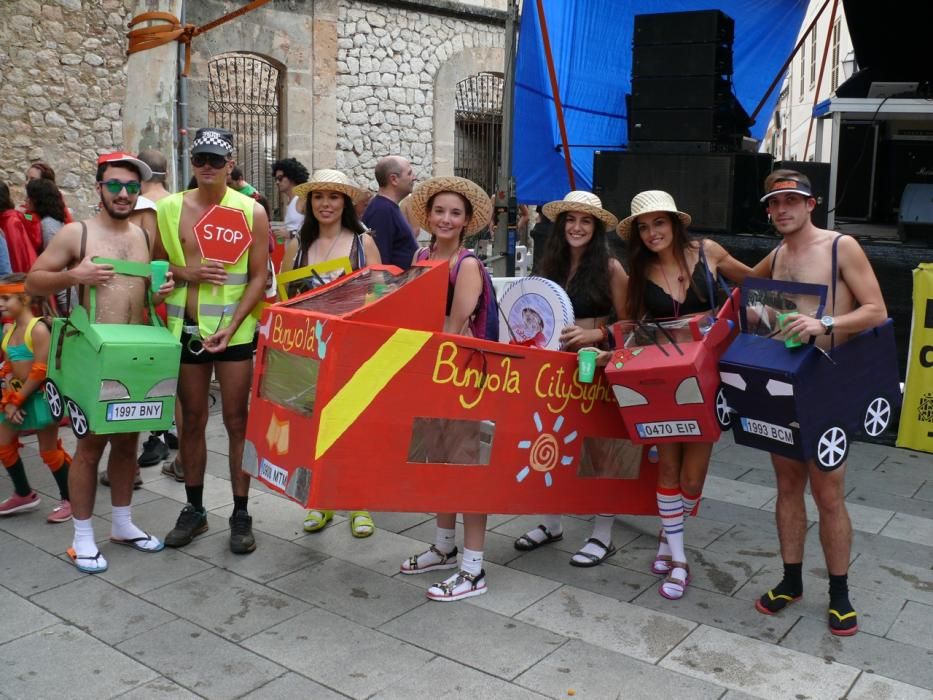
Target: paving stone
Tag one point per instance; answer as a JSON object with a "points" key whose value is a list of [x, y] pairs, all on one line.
{"points": [[910, 528], [26, 570], [912, 582], [701, 531], [874, 687], [866, 455], [331, 650], [33, 666], [400, 522], [158, 518], [226, 604], [508, 646], [20, 617], [877, 610], [383, 552], [139, 572], [217, 492], [720, 611], [925, 492], [441, 678], [900, 504], [737, 492], [108, 613], [593, 672], [864, 651], [727, 470], [732, 514], [623, 627], [901, 463], [864, 518], [54, 538], [613, 581], [278, 516], [760, 548], [744, 456], [103, 507], [362, 595], [761, 477], [575, 530], [913, 626], [893, 483], [758, 668], [159, 689], [885, 548], [200, 661], [510, 590], [291, 685], [499, 548]]}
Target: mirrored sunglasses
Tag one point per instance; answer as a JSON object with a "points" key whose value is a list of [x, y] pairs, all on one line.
{"points": [[115, 186]]}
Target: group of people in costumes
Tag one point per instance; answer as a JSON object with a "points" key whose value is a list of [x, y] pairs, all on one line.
{"points": [[665, 277]]}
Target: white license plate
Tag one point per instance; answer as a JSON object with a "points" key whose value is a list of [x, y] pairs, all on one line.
{"points": [[143, 410], [667, 428], [768, 430], [273, 474]]}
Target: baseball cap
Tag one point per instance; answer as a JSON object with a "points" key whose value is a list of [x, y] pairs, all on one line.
{"points": [[214, 140], [788, 186], [145, 172]]}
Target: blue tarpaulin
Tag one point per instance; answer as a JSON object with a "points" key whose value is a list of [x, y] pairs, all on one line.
{"points": [[591, 42]]}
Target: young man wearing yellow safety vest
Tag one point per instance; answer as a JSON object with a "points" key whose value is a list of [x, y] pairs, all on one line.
{"points": [[211, 312]]}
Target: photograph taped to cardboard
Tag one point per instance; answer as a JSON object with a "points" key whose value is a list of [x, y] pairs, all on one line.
{"points": [[610, 458], [767, 303], [451, 441], [290, 380], [532, 320]]}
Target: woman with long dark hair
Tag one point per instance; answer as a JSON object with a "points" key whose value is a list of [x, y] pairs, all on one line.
{"points": [[576, 256], [44, 198], [670, 276], [43, 171], [331, 230]]}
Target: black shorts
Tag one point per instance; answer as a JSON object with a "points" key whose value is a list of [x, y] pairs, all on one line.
{"points": [[232, 353]]}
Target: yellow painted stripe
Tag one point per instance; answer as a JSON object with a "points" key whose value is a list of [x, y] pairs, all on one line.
{"points": [[365, 385]]}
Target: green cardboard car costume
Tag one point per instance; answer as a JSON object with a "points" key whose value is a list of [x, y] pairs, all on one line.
{"points": [[113, 377]]}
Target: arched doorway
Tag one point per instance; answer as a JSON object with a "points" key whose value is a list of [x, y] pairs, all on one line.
{"points": [[245, 94], [478, 129]]}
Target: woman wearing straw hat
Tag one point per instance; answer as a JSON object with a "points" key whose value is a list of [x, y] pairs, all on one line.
{"points": [[576, 256], [331, 229], [671, 276], [450, 208]]}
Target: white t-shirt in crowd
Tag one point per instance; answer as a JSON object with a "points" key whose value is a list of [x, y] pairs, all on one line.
{"points": [[293, 219]]}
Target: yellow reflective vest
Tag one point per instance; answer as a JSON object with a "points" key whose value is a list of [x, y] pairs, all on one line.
{"points": [[216, 305]]}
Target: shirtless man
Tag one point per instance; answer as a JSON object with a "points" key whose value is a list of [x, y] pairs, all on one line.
{"points": [[65, 263], [805, 255], [211, 312]]}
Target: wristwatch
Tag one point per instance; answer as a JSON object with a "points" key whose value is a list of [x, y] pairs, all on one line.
{"points": [[828, 322]]}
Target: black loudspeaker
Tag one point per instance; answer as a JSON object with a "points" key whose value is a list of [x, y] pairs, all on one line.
{"points": [[695, 92], [683, 28], [719, 190], [728, 144], [901, 162], [681, 60], [818, 174], [687, 124], [915, 218], [855, 168]]}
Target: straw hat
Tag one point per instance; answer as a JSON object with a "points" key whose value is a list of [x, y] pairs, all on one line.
{"points": [[651, 201], [469, 190], [579, 200], [329, 181]]}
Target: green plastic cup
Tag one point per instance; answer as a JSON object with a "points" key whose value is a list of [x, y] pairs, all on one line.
{"points": [[158, 272], [586, 364], [794, 340]]}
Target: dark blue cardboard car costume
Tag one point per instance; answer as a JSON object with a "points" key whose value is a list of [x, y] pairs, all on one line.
{"points": [[805, 403]]}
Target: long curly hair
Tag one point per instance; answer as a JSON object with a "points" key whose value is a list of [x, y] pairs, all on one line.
{"points": [[590, 283], [46, 199], [641, 259], [311, 228]]}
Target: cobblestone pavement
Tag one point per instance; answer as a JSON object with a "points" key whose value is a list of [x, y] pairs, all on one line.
{"points": [[328, 616]]}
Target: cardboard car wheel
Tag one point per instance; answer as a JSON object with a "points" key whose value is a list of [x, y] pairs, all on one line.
{"points": [[79, 424], [54, 397], [832, 448], [723, 412], [877, 416]]}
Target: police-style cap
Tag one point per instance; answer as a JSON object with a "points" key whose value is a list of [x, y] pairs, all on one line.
{"points": [[214, 140]]}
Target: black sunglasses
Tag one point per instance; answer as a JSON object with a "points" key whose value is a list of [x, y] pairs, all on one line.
{"points": [[115, 186], [215, 161]]}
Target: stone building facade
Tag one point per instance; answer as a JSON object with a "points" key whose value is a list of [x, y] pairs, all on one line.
{"points": [[357, 80]]}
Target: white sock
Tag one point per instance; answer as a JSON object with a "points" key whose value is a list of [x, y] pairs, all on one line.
{"points": [[444, 539], [84, 544], [122, 528], [472, 561], [602, 531], [552, 523]]}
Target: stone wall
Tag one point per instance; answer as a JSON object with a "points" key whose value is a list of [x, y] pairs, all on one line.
{"points": [[387, 61], [64, 82]]}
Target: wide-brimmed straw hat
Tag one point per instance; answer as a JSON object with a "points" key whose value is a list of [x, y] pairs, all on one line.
{"points": [[469, 190], [651, 201], [580, 200], [329, 181]]}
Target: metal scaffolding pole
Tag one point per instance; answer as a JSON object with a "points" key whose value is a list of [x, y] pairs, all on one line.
{"points": [[503, 260]]}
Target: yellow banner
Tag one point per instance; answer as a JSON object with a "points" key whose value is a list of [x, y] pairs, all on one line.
{"points": [[916, 428]]}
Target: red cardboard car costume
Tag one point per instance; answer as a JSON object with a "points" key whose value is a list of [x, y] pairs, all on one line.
{"points": [[354, 378]]}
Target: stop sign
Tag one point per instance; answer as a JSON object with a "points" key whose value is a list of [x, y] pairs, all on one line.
{"points": [[223, 234]]}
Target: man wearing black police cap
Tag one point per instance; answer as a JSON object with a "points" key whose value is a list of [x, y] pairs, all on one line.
{"points": [[806, 255], [211, 313]]}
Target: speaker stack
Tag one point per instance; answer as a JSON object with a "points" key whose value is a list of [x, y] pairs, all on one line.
{"points": [[682, 99]]}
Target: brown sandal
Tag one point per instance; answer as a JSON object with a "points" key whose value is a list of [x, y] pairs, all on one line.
{"points": [[672, 580], [662, 562]]}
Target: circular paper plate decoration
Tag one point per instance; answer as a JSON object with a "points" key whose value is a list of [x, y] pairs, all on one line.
{"points": [[536, 310]]}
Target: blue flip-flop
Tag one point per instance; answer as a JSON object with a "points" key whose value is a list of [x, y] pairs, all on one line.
{"points": [[135, 543], [84, 568]]}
